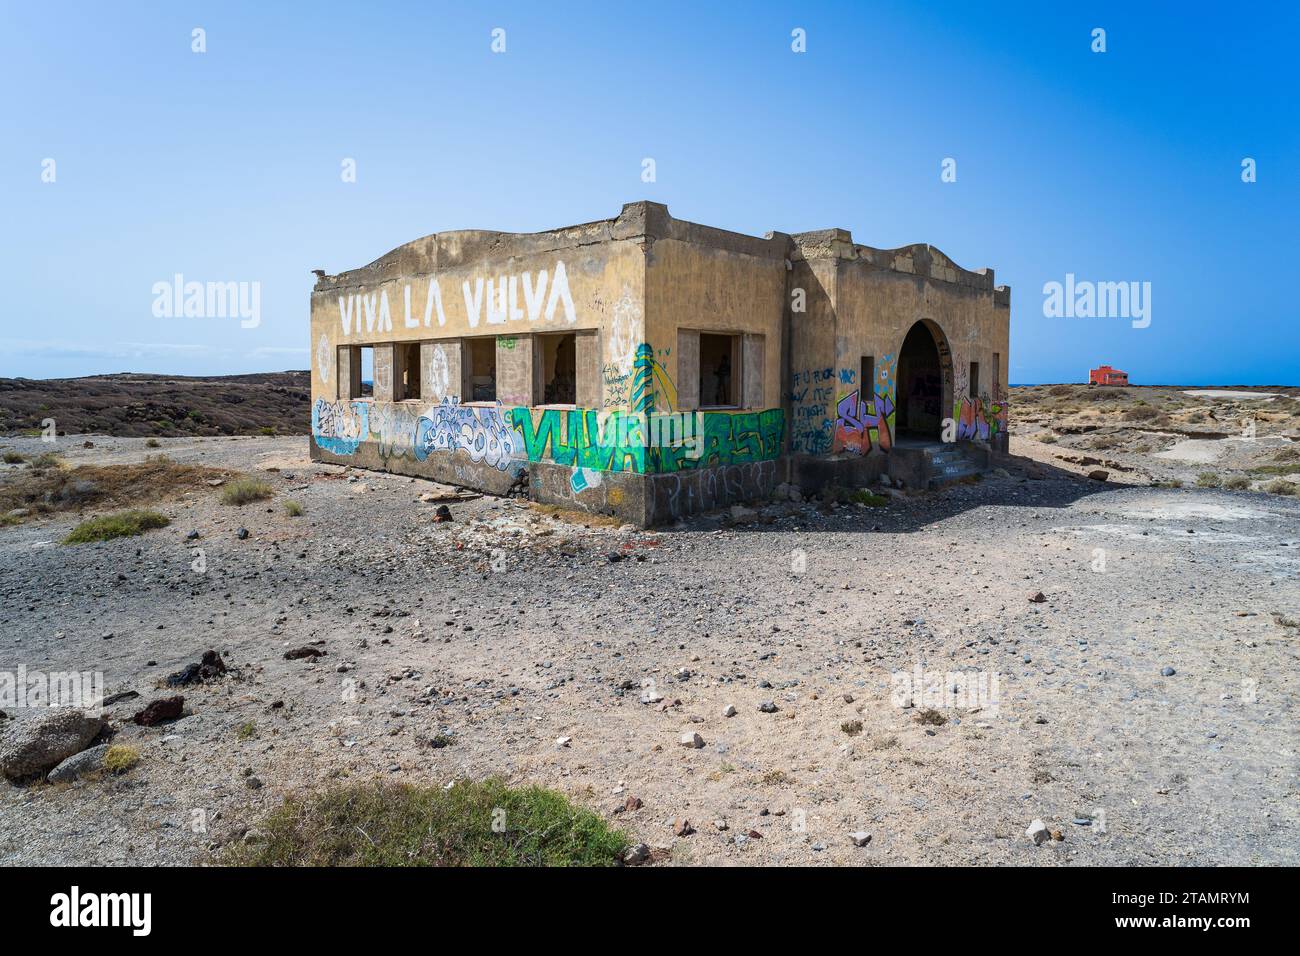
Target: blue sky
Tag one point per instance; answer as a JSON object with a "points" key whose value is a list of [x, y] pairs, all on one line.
{"points": [[225, 165]]}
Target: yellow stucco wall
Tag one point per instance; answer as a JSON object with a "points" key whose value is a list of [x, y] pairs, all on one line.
{"points": [[701, 289], [478, 293]]}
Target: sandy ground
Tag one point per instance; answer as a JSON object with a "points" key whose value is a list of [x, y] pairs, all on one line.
{"points": [[508, 628], [1217, 393], [1162, 434]]}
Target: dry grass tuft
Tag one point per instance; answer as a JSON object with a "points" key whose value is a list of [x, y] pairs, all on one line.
{"points": [[474, 823], [52, 488], [122, 524], [244, 491], [120, 758]]}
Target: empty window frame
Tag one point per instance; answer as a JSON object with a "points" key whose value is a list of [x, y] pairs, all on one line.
{"points": [[867, 378], [361, 366], [406, 358], [482, 372], [719, 371], [558, 358], [974, 379]]}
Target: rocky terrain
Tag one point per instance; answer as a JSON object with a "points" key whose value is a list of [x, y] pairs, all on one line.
{"points": [[1238, 438], [161, 405], [1136, 644]]}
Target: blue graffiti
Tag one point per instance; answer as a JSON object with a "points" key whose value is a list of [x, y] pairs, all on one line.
{"points": [[340, 427]]}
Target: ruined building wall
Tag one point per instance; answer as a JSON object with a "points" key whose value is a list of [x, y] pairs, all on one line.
{"points": [[883, 293], [448, 292], [707, 366], [709, 285], [861, 304]]}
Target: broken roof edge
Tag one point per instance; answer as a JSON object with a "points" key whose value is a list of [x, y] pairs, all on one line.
{"points": [[917, 258], [647, 222]]}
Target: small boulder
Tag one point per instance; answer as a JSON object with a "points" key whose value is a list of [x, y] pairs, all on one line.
{"points": [[1099, 474], [692, 740], [636, 854], [1038, 597], [78, 765], [861, 838], [1038, 832], [38, 745], [164, 708]]}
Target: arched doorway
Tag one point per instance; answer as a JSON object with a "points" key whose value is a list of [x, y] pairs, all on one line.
{"points": [[924, 387]]}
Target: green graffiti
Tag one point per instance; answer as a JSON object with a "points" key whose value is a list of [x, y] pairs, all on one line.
{"points": [[630, 441], [724, 440], [648, 377], [980, 419], [575, 437], [642, 398]]}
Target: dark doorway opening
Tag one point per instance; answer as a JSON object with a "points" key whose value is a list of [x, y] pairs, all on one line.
{"points": [[919, 412], [559, 369]]}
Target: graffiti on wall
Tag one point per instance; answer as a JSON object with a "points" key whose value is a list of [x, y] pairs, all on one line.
{"points": [[649, 381], [645, 436], [625, 322], [439, 374], [582, 437], [722, 439], [615, 382], [647, 444], [584, 479], [811, 394], [339, 427], [324, 357], [479, 431], [979, 419], [641, 384], [686, 492], [860, 427], [497, 300], [392, 429]]}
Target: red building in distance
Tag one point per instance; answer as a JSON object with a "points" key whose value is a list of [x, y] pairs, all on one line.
{"points": [[1105, 375]]}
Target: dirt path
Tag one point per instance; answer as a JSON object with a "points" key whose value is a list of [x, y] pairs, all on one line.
{"points": [[507, 629]]}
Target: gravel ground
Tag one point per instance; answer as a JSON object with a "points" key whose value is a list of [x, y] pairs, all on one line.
{"points": [[509, 628]]}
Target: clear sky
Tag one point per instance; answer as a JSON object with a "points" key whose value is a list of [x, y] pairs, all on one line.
{"points": [[226, 165]]}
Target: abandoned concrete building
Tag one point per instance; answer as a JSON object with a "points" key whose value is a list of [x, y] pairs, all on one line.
{"points": [[649, 368]]}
